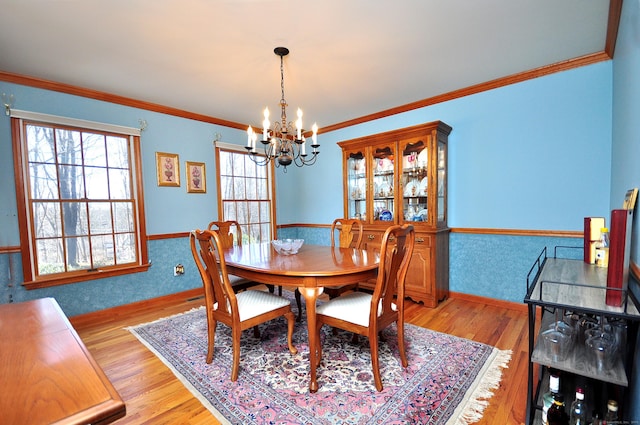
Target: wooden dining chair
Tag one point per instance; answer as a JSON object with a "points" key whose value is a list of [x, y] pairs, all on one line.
{"points": [[368, 314], [350, 232], [239, 311], [230, 234]]}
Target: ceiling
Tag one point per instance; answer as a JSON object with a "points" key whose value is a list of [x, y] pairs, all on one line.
{"points": [[348, 59]]}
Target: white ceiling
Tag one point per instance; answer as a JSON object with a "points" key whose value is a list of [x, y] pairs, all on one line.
{"points": [[349, 58]]}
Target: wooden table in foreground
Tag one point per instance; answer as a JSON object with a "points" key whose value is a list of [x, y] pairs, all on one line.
{"points": [[311, 269], [46, 372]]}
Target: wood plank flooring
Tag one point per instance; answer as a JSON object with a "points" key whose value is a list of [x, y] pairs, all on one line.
{"points": [[153, 395]]}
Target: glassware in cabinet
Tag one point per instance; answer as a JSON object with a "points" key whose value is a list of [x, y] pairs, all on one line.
{"points": [[357, 185], [415, 181], [383, 183]]}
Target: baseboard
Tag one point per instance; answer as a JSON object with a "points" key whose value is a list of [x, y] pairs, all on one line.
{"points": [[122, 310], [510, 305]]}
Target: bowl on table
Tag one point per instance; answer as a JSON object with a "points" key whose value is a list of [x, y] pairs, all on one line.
{"points": [[287, 246]]}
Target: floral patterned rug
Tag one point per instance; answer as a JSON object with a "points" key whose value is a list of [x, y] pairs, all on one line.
{"points": [[449, 379]]}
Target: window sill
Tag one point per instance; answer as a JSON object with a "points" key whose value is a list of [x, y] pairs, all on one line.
{"points": [[45, 282]]}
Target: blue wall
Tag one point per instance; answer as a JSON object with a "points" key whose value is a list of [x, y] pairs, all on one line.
{"points": [[534, 155]]}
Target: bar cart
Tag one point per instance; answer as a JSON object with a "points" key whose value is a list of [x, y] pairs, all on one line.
{"points": [[571, 286]]}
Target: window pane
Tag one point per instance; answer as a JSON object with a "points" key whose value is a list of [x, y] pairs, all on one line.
{"points": [[254, 212], [102, 251], [229, 211], [119, 184], [44, 181], [265, 232], [125, 248], [117, 152], [94, 150], [123, 217], [74, 215], [265, 212], [71, 182], [251, 189], [40, 144], [100, 218], [50, 256], [226, 166], [78, 253], [68, 147], [47, 219], [97, 183], [250, 166], [239, 188]]}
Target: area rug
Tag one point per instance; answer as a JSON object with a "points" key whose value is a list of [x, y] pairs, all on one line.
{"points": [[449, 379]]}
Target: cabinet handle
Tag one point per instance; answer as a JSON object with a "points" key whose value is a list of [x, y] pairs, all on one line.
{"points": [[419, 240], [371, 237], [392, 239]]}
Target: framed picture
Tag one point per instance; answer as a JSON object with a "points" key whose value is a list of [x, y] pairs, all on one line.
{"points": [[196, 177], [168, 169]]}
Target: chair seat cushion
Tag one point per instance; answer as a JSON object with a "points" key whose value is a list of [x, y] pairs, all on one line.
{"points": [[254, 303], [353, 307]]}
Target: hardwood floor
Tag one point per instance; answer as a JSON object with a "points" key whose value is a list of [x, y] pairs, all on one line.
{"points": [[153, 395]]}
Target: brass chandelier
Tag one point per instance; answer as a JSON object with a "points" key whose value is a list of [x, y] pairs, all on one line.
{"points": [[283, 143]]}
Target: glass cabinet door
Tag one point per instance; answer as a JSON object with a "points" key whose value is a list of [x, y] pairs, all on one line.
{"points": [[357, 185], [383, 165], [415, 180], [442, 182]]}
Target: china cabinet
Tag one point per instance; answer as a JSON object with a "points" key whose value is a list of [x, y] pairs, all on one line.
{"points": [[564, 291], [400, 177]]}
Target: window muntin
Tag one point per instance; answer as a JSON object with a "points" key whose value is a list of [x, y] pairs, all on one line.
{"points": [[80, 204], [245, 195]]}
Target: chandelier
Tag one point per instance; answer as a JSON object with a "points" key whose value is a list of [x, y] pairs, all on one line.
{"points": [[283, 143]]}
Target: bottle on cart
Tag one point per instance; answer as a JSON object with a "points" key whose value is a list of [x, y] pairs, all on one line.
{"points": [[611, 418], [578, 415], [557, 414], [547, 398], [602, 248]]}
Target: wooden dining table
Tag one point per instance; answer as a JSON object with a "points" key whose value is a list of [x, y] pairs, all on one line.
{"points": [[310, 270]]}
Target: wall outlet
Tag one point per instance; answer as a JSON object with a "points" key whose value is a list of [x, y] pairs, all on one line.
{"points": [[178, 270]]}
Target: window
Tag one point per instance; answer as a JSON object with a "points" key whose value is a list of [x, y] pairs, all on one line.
{"points": [[79, 209], [245, 194]]}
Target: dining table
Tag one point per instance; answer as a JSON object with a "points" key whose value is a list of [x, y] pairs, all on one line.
{"points": [[311, 269]]}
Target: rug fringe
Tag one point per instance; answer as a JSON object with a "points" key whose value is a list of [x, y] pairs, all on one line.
{"points": [[472, 408]]}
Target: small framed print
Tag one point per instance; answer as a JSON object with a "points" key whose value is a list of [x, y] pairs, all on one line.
{"points": [[196, 177], [168, 168]]}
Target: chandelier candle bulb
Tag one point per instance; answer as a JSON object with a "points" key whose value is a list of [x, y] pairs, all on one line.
{"points": [[299, 124], [303, 150], [265, 125], [249, 136], [314, 137]]}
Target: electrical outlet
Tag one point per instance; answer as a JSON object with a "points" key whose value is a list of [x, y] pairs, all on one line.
{"points": [[178, 270]]}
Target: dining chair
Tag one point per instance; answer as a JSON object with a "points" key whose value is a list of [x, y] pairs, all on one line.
{"points": [[239, 311], [368, 314], [350, 232], [230, 234]]}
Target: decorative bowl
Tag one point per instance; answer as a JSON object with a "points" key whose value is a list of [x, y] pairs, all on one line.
{"points": [[287, 246]]}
